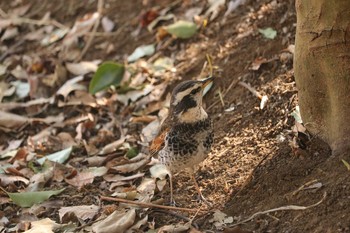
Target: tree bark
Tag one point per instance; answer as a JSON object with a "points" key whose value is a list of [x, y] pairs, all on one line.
{"points": [[322, 69]]}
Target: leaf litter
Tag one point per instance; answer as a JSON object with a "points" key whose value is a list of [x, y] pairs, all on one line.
{"points": [[104, 145]]}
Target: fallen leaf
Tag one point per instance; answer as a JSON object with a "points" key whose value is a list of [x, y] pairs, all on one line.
{"points": [[160, 18], [6, 180], [112, 146], [107, 24], [83, 67], [22, 88], [136, 227], [71, 85], [3, 69], [59, 157], [80, 28], [148, 17], [159, 171], [81, 179], [38, 180], [131, 167], [134, 95], [83, 212], [263, 101], [182, 29], [54, 36], [98, 171], [220, 219], [232, 5], [20, 73], [174, 228], [27, 199], [12, 145], [214, 9], [10, 32], [21, 10], [150, 131], [107, 74], [296, 114], [43, 226], [347, 165], [258, 62], [117, 177], [268, 33], [147, 187], [142, 51], [117, 222], [11, 120]]}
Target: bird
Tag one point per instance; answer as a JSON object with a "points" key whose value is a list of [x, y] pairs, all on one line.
{"points": [[186, 135]]}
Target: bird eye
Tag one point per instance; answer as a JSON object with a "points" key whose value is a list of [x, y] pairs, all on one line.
{"points": [[194, 91]]}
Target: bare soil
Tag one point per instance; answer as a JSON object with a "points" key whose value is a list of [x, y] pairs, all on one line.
{"points": [[252, 166]]}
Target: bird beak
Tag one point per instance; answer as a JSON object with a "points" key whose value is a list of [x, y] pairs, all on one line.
{"points": [[207, 81]]}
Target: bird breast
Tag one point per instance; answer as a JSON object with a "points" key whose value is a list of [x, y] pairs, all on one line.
{"points": [[187, 144]]}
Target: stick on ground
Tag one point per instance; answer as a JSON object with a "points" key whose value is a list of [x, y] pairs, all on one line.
{"points": [[148, 205]]}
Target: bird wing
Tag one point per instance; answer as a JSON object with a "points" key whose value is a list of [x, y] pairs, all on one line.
{"points": [[158, 142]]}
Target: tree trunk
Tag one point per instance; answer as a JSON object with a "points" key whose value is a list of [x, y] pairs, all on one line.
{"points": [[322, 69]]}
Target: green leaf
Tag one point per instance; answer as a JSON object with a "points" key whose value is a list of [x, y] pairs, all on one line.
{"points": [[59, 157], [107, 74], [296, 114], [347, 165], [182, 29], [142, 51], [132, 152], [28, 199], [268, 33]]}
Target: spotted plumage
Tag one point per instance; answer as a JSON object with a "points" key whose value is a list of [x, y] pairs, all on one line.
{"points": [[186, 135]]}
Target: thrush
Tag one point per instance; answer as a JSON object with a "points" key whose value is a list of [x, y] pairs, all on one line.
{"points": [[186, 135]]}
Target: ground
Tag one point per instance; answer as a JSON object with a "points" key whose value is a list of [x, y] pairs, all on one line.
{"points": [[253, 166]]}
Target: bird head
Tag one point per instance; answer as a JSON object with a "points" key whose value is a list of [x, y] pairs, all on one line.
{"points": [[186, 100]]}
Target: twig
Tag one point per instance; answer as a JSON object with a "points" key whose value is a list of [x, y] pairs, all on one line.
{"points": [[210, 64], [100, 5], [263, 98], [221, 99], [233, 83], [148, 205], [178, 216], [288, 207], [251, 89]]}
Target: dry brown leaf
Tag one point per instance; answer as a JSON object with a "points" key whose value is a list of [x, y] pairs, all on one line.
{"points": [[174, 228], [112, 146], [83, 67], [137, 225], [43, 226], [6, 180], [11, 32], [258, 62], [39, 180], [80, 28], [130, 167], [71, 85], [11, 120], [150, 131], [147, 187], [143, 119], [12, 145], [117, 222], [83, 212], [81, 179], [116, 178]]}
